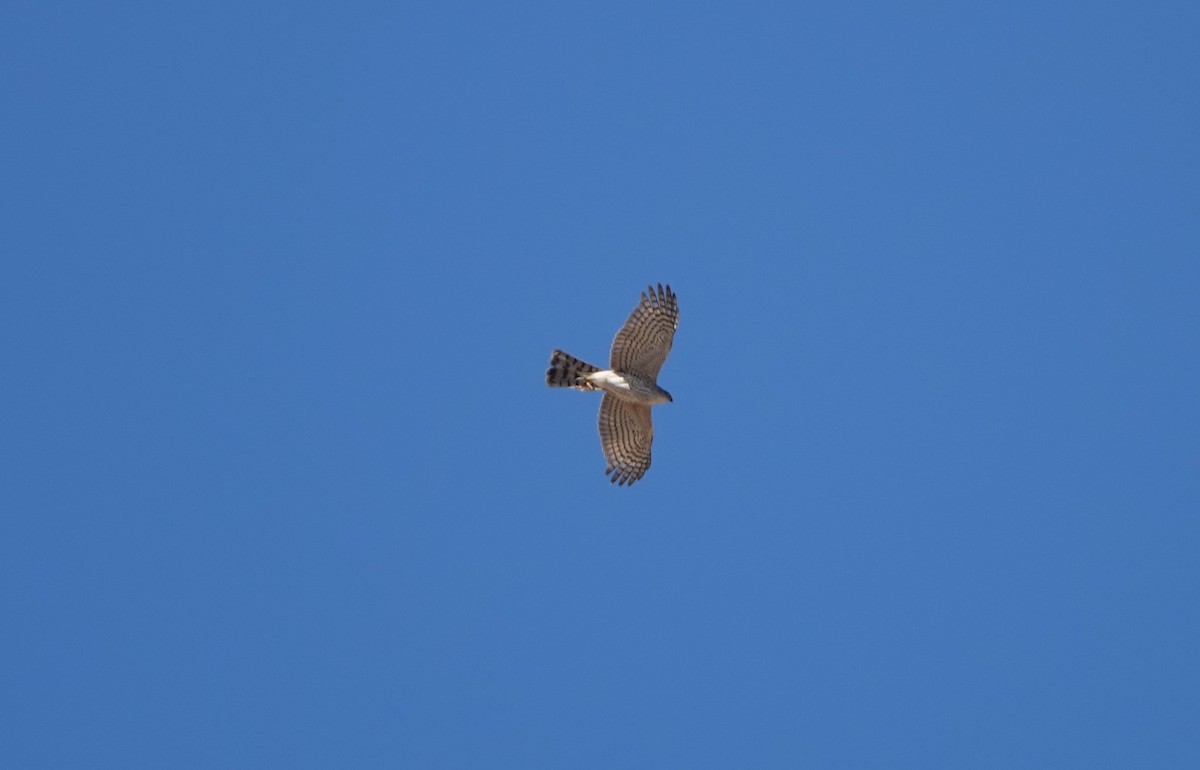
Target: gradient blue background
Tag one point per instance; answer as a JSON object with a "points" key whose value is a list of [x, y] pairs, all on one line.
{"points": [[282, 485]]}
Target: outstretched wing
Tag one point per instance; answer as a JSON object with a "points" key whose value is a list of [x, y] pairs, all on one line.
{"points": [[644, 341], [625, 434]]}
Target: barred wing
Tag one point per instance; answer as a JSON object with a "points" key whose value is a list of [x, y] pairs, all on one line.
{"points": [[644, 341], [625, 434]]}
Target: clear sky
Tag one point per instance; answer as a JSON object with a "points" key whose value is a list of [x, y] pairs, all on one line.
{"points": [[282, 484]]}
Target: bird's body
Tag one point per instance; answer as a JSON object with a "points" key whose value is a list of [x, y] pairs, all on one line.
{"points": [[630, 387], [630, 384]]}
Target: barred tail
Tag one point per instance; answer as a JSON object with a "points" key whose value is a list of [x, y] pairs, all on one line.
{"points": [[567, 371]]}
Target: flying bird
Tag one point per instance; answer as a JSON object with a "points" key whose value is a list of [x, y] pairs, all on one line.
{"points": [[630, 383]]}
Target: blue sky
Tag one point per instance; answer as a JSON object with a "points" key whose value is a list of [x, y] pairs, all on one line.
{"points": [[283, 486]]}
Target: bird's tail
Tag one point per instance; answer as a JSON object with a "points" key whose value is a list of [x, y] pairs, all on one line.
{"points": [[567, 371]]}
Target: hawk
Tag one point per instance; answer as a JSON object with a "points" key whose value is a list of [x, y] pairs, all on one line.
{"points": [[629, 384]]}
